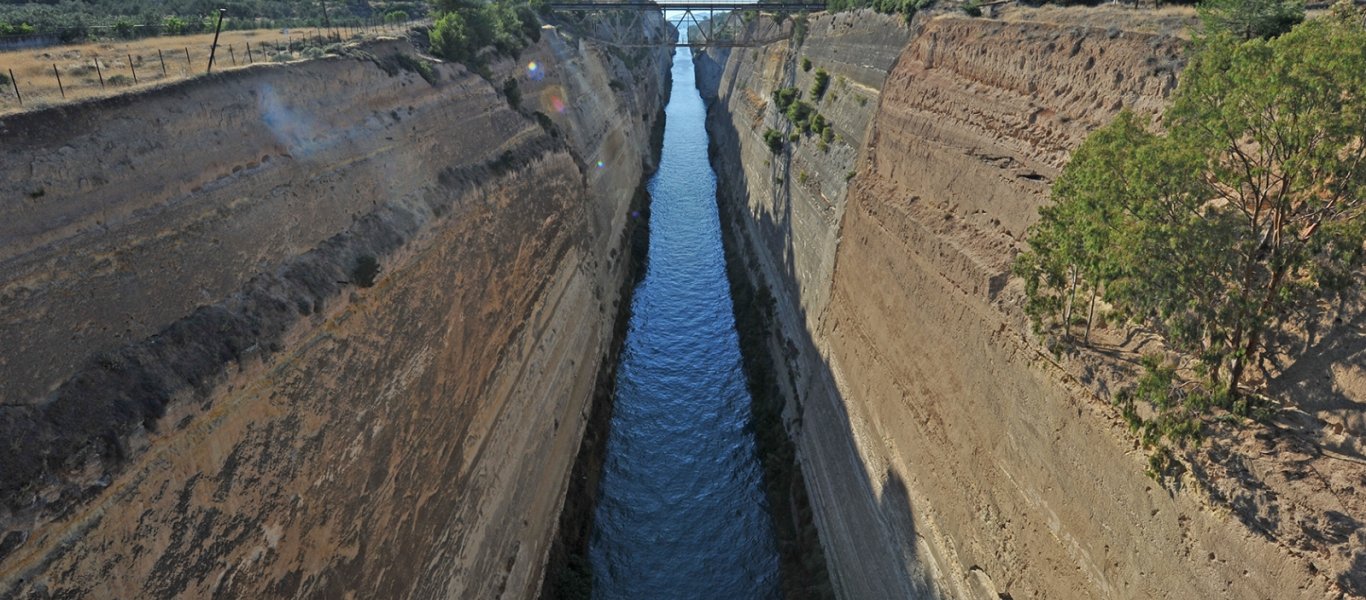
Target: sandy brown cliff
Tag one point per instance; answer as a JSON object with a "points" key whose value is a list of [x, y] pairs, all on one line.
{"points": [[946, 453], [207, 390]]}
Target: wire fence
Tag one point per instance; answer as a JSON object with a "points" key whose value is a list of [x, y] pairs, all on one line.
{"points": [[39, 77]]}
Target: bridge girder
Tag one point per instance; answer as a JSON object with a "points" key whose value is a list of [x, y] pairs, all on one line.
{"points": [[722, 34]]}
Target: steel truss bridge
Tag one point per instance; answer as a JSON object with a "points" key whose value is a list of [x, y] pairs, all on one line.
{"points": [[716, 24]]}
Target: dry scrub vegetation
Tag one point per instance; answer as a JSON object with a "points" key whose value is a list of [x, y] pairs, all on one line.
{"points": [[1168, 20], [33, 67]]}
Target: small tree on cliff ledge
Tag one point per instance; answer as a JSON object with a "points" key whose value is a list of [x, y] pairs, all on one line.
{"points": [[1237, 221]]}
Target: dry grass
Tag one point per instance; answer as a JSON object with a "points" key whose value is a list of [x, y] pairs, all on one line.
{"points": [[33, 68], [1168, 20]]}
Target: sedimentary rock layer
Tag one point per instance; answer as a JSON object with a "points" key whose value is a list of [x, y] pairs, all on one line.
{"points": [[946, 453], [314, 329]]}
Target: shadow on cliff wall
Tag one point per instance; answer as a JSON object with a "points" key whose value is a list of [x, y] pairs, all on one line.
{"points": [[875, 522]]}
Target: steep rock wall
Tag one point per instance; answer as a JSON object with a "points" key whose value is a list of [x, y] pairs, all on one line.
{"points": [[209, 392], [946, 454]]}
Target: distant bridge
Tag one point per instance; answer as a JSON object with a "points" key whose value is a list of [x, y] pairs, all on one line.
{"points": [[729, 31]]}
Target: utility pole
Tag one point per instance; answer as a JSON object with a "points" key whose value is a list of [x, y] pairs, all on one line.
{"points": [[327, 23], [214, 49]]}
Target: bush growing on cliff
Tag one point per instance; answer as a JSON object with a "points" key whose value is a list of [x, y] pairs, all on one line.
{"points": [[806, 65], [799, 113], [774, 139], [464, 30], [417, 65], [906, 8], [784, 97], [820, 84], [1234, 227]]}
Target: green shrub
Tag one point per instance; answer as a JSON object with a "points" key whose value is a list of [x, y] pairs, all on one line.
{"points": [[972, 8], [173, 25], [413, 64], [395, 16], [774, 139], [783, 98], [20, 29], [119, 80], [124, 28], [799, 113], [821, 83], [451, 39], [463, 31], [806, 64]]}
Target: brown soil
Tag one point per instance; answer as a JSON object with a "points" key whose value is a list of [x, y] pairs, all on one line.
{"points": [[33, 67]]}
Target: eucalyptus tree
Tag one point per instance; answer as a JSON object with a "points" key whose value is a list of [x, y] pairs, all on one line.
{"points": [[1238, 218]]}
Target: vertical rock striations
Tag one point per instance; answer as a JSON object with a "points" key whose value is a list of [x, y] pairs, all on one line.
{"points": [[317, 329]]}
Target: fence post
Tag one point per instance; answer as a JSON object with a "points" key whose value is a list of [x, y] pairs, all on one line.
{"points": [[98, 71], [249, 60], [59, 81], [232, 54], [131, 68], [214, 48], [163, 62], [187, 60], [15, 82]]}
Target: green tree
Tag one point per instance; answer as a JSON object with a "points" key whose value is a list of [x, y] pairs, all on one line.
{"points": [[1251, 18], [820, 84], [1234, 223], [450, 37], [465, 29], [124, 28], [173, 25]]}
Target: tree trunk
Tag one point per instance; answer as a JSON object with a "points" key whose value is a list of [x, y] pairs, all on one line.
{"points": [[1071, 301], [1254, 337], [1089, 316]]}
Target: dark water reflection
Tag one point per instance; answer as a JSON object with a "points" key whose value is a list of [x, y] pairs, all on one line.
{"points": [[681, 511]]}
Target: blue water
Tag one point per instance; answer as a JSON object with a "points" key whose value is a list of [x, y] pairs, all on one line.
{"points": [[681, 511]]}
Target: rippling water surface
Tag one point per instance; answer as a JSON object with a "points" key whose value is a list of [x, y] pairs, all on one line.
{"points": [[681, 511]]}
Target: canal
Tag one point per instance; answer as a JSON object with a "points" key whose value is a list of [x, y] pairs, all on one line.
{"points": [[681, 510]]}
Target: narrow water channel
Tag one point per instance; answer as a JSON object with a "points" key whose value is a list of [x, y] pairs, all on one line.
{"points": [[681, 511]]}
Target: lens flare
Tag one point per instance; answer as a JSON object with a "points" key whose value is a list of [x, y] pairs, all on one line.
{"points": [[601, 165], [557, 104], [534, 71]]}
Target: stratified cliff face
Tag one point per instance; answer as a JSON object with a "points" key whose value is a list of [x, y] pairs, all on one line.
{"points": [[946, 454], [207, 388]]}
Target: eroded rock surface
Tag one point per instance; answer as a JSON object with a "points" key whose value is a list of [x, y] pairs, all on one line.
{"points": [[321, 329], [946, 452]]}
